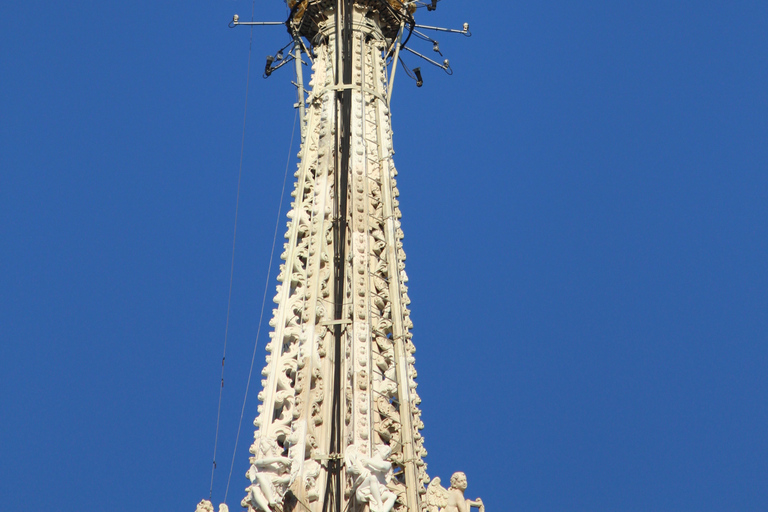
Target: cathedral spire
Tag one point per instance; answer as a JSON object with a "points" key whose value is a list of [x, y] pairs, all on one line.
{"points": [[338, 425]]}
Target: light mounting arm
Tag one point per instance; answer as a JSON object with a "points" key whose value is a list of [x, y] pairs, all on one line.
{"points": [[236, 21], [464, 31], [445, 66]]}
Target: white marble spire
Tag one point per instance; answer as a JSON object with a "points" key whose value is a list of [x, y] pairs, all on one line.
{"points": [[360, 362]]}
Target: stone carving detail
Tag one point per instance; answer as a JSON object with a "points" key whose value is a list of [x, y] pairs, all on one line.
{"points": [[269, 476], [204, 506], [207, 506], [370, 478], [379, 403], [311, 472], [452, 499]]}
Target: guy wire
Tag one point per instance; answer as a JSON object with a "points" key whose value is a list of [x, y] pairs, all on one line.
{"points": [[234, 239], [263, 300]]}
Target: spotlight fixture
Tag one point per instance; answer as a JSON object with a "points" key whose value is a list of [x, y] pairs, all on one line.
{"points": [[419, 80], [268, 67]]}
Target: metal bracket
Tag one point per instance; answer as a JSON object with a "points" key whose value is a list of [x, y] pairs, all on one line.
{"points": [[464, 31], [337, 322], [236, 21], [445, 66]]}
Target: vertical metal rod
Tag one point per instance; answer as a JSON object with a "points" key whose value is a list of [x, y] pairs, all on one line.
{"points": [[300, 83], [337, 29], [394, 64], [333, 492]]}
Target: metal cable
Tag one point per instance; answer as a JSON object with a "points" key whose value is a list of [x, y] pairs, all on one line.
{"points": [[263, 301], [232, 264]]}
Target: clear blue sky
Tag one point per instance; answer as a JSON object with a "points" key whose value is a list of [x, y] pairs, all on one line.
{"points": [[585, 206]]}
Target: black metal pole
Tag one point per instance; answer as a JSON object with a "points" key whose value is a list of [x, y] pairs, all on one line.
{"points": [[333, 491]]}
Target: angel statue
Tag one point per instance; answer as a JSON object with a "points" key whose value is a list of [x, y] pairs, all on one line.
{"points": [[207, 506], [268, 476], [452, 499], [371, 477]]}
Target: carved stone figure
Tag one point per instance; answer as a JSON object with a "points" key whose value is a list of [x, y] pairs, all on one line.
{"points": [[207, 506], [204, 506], [371, 478], [452, 499], [269, 477]]}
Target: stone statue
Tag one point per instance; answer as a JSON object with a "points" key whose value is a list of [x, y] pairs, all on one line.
{"points": [[371, 478], [204, 506], [207, 506], [440, 499], [269, 477]]}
